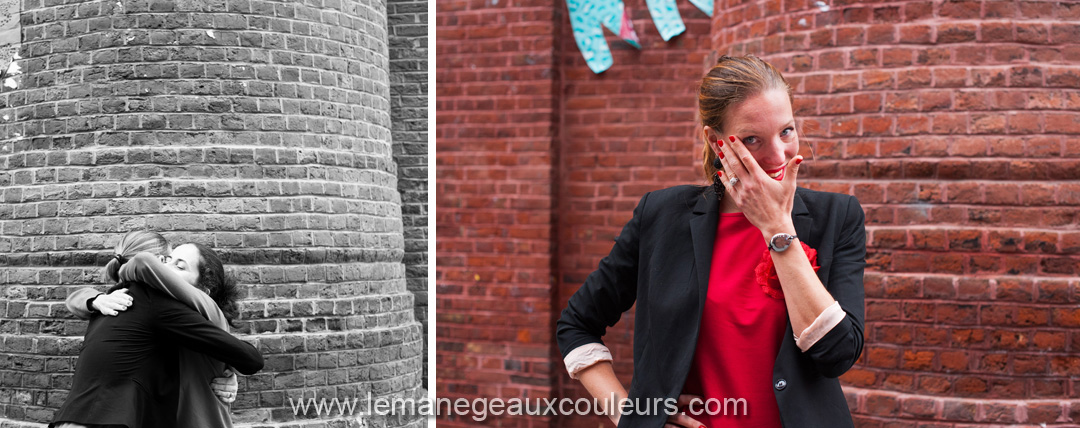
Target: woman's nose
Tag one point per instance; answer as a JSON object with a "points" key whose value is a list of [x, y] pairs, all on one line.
{"points": [[772, 153]]}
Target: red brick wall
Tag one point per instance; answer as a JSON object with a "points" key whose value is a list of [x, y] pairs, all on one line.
{"points": [[496, 129], [951, 121], [530, 144], [624, 132]]}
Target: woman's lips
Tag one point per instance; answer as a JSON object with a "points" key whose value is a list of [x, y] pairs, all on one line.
{"points": [[777, 174]]}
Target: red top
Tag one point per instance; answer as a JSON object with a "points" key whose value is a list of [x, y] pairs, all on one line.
{"points": [[741, 332]]}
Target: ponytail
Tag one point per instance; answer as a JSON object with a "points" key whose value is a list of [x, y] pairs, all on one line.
{"points": [[132, 243]]}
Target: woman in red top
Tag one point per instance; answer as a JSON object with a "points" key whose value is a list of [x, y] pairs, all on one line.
{"points": [[749, 292]]}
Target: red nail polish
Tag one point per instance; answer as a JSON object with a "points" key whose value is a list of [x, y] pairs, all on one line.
{"points": [[720, 172], [721, 155], [721, 143], [732, 138], [798, 161]]}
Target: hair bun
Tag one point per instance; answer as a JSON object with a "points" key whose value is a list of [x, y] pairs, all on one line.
{"points": [[120, 259]]}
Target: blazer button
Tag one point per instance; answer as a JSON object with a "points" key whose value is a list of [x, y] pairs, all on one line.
{"points": [[781, 384]]}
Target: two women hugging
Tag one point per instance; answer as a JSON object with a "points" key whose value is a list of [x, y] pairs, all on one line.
{"points": [[157, 351]]}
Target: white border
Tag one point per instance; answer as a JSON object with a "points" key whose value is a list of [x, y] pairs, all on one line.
{"points": [[431, 207]]}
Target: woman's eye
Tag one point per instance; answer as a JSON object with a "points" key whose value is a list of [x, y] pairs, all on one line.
{"points": [[787, 132], [749, 140]]}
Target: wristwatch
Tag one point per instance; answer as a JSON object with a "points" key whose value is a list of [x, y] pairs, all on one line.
{"points": [[781, 242]]}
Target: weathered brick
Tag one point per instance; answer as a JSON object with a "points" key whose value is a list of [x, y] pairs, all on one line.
{"points": [[97, 152], [951, 69]]}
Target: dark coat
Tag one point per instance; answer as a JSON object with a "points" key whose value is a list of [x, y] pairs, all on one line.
{"points": [[662, 260], [128, 369]]}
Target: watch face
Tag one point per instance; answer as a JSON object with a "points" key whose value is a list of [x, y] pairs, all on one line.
{"points": [[781, 241]]}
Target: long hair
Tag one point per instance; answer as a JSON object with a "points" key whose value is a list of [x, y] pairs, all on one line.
{"points": [[220, 286], [731, 81], [132, 243]]}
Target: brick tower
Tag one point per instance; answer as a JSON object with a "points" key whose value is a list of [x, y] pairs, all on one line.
{"points": [[260, 128]]}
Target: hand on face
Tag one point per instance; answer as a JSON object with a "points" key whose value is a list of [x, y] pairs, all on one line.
{"points": [[764, 200], [763, 156]]}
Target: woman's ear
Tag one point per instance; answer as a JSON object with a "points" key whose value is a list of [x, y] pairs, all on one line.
{"points": [[711, 137]]}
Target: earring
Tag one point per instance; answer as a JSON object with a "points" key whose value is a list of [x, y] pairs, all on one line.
{"points": [[717, 186], [717, 164]]}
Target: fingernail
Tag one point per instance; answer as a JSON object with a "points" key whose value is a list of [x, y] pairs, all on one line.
{"points": [[732, 138], [721, 155], [798, 161], [721, 143]]}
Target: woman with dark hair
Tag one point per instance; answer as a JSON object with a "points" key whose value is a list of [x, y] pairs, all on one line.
{"points": [[748, 291], [129, 371]]}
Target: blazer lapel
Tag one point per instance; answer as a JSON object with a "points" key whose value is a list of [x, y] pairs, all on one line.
{"points": [[800, 217], [706, 216]]}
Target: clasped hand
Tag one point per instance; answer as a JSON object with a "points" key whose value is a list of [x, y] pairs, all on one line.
{"points": [[113, 303], [225, 387]]}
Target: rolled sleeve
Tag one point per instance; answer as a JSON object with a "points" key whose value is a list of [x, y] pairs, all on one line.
{"points": [[584, 357], [822, 325], [76, 302], [835, 351]]}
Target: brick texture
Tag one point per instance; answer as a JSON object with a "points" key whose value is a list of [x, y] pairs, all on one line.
{"points": [[540, 163], [625, 132], [260, 128], [951, 121], [496, 141], [407, 28]]}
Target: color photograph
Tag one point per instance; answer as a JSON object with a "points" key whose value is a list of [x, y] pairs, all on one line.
{"points": [[758, 213]]}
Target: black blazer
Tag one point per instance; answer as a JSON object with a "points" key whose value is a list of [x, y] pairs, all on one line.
{"points": [[662, 259], [128, 369]]}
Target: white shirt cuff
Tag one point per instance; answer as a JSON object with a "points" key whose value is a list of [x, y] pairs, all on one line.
{"points": [[822, 325], [585, 356]]}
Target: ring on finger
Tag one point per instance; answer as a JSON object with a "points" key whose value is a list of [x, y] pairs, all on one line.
{"points": [[733, 181]]}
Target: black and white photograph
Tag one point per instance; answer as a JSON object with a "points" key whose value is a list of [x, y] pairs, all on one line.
{"points": [[213, 213]]}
